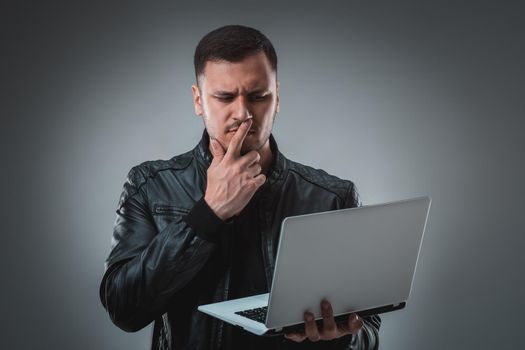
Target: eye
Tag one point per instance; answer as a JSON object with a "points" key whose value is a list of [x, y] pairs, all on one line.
{"points": [[257, 98], [224, 98]]}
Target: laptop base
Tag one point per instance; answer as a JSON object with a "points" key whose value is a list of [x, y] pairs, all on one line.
{"points": [[339, 320]]}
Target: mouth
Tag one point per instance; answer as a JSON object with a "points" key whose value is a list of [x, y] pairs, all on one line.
{"points": [[234, 130]]}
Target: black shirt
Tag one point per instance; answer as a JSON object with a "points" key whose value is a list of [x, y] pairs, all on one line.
{"points": [[247, 277]]}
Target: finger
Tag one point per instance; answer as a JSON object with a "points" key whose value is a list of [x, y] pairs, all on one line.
{"points": [[310, 327], [234, 148], [249, 158], [296, 337], [355, 323], [217, 150], [259, 180], [254, 170], [329, 326]]}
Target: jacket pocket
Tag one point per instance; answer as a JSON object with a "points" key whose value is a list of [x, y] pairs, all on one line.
{"points": [[165, 214], [170, 210]]}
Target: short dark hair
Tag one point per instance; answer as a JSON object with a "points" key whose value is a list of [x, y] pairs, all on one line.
{"points": [[232, 43]]}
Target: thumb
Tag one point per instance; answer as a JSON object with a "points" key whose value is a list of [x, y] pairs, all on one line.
{"points": [[217, 149]]}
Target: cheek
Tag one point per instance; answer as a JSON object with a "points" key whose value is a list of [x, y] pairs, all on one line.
{"points": [[216, 119], [269, 117], [215, 110], [264, 111], [271, 109]]}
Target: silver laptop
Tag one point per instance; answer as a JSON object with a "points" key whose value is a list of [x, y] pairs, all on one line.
{"points": [[362, 260]]}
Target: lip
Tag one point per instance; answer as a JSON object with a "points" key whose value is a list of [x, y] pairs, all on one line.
{"points": [[234, 130]]}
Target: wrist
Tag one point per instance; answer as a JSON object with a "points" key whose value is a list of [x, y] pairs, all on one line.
{"points": [[216, 209], [204, 221]]}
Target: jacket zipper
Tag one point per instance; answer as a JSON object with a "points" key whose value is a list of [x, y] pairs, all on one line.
{"points": [[264, 246], [169, 210], [226, 285]]}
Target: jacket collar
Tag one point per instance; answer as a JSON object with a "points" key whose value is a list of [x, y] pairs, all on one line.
{"points": [[275, 172]]}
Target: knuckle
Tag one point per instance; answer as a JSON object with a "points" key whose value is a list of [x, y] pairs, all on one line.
{"points": [[314, 337], [237, 168], [294, 337], [330, 328], [331, 336], [354, 328]]}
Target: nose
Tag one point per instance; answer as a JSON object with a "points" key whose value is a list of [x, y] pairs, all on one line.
{"points": [[242, 109]]}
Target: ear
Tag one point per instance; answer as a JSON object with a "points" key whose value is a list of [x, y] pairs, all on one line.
{"points": [[197, 100], [277, 93]]}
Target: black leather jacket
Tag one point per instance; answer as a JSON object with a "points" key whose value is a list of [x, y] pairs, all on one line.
{"points": [[160, 268]]}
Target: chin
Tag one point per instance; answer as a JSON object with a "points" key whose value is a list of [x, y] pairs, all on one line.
{"points": [[251, 146]]}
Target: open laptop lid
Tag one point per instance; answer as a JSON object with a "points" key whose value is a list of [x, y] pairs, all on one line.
{"points": [[361, 259]]}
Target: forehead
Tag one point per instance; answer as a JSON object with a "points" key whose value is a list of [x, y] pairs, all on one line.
{"points": [[252, 72]]}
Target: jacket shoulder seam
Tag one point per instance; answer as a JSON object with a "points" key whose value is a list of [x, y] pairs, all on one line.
{"points": [[326, 188], [137, 172]]}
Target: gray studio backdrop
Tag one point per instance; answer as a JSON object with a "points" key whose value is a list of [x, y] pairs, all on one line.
{"points": [[405, 99]]}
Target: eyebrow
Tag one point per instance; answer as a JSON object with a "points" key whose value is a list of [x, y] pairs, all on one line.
{"points": [[231, 93], [223, 92]]}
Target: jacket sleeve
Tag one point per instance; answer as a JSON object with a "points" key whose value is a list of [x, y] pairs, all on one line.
{"points": [[145, 267], [368, 337]]}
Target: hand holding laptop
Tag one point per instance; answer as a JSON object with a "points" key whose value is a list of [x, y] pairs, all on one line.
{"points": [[387, 236], [330, 329]]}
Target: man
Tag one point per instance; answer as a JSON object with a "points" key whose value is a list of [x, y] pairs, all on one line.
{"points": [[203, 226]]}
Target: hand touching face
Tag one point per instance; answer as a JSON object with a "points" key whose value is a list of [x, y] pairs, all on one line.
{"points": [[232, 92]]}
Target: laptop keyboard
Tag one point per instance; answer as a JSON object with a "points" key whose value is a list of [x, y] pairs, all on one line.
{"points": [[257, 314]]}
